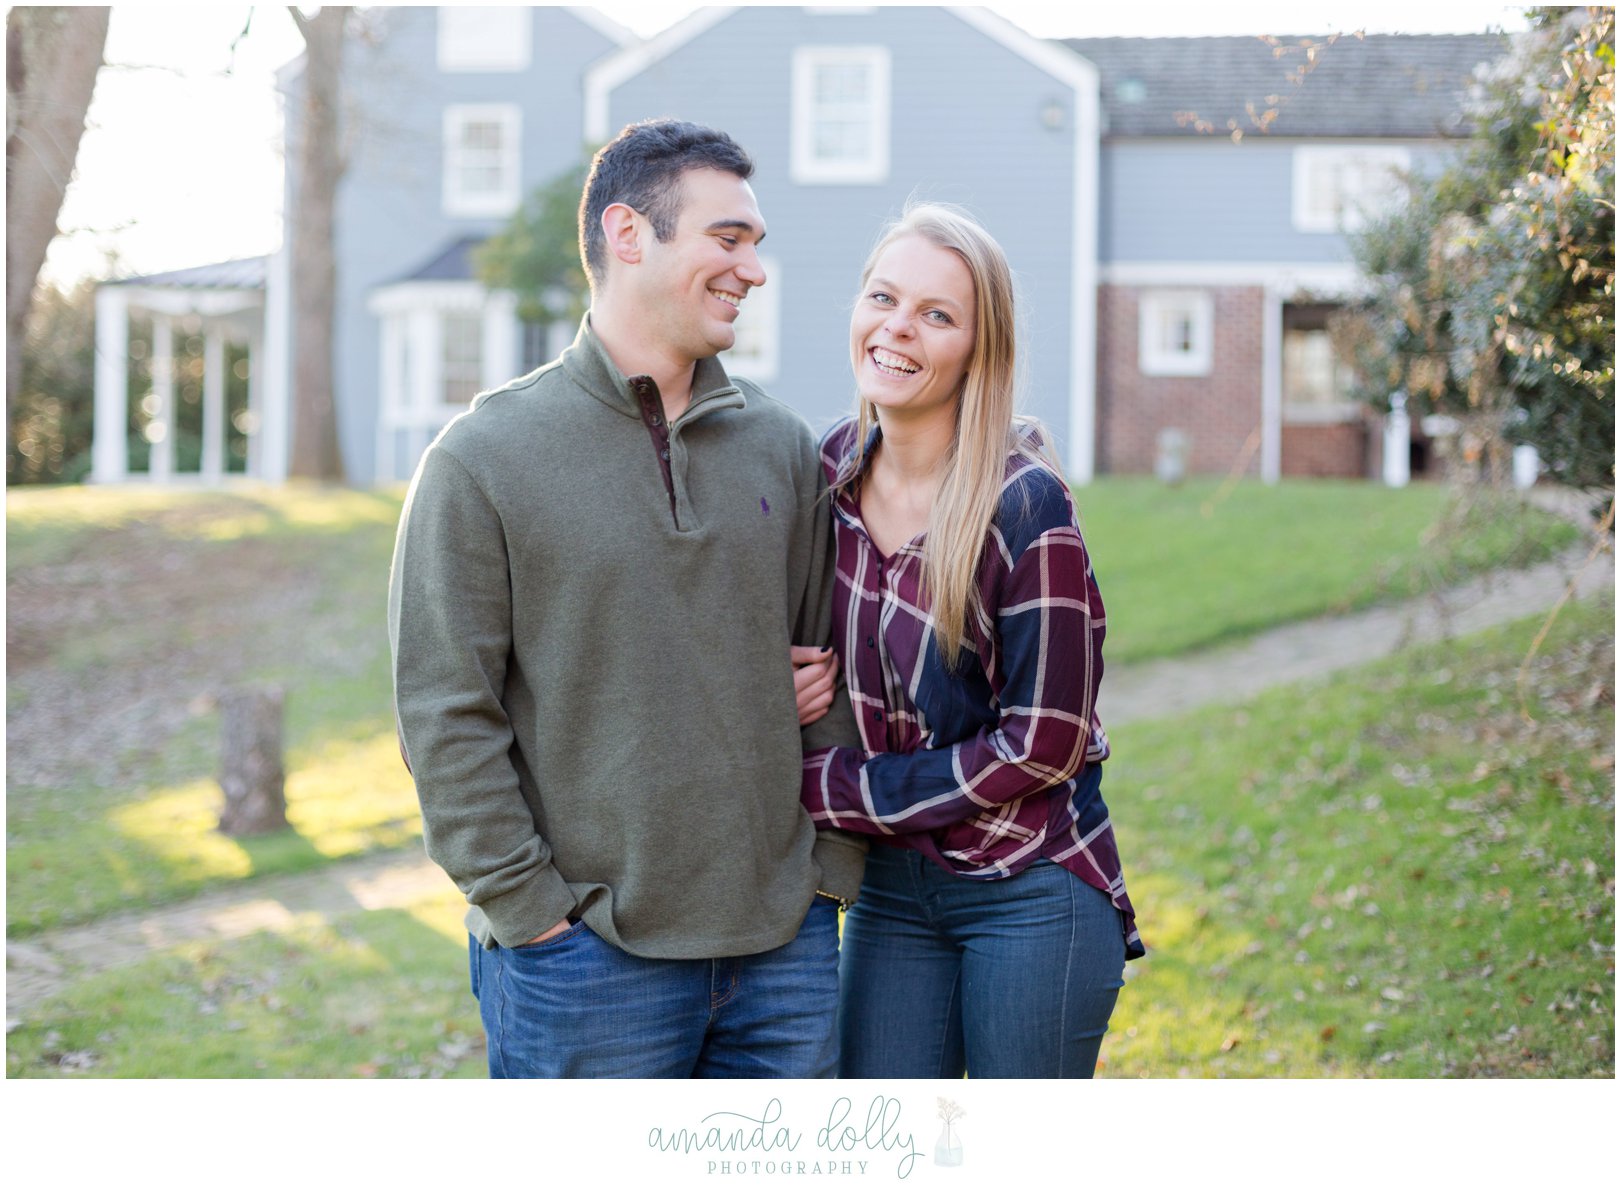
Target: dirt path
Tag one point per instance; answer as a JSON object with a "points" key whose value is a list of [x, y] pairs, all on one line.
{"points": [[1315, 647], [38, 967]]}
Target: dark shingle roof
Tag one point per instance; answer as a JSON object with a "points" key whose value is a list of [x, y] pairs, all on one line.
{"points": [[228, 274], [1382, 85], [453, 262]]}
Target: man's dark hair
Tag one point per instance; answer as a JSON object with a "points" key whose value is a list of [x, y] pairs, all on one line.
{"points": [[642, 168]]}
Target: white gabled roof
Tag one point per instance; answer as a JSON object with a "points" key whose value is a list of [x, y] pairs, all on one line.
{"points": [[1057, 61], [605, 25], [605, 76]]}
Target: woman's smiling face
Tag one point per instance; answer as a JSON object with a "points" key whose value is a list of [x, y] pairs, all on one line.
{"points": [[912, 332]]}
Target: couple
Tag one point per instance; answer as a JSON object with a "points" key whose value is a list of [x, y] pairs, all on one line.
{"points": [[613, 590]]}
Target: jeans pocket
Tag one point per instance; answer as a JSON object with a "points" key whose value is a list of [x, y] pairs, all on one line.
{"points": [[534, 947]]}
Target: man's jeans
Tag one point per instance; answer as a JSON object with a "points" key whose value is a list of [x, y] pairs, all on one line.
{"points": [[1006, 978], [577, 1007]]}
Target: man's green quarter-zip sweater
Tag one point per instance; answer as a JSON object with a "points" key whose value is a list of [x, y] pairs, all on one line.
{"points": [[590, 612]]}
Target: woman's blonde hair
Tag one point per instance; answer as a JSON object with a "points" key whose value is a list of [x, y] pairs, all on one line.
{"points": [[987, 430]]}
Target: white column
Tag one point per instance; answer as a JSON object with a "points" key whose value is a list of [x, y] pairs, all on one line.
{"points": [[1398, 432], [1271, 386], [391, 395], [1083, 366], [160, 432], [1527, 466], [109, 451], [502, 340], [256, 400], [213, 458], [275, 408]]}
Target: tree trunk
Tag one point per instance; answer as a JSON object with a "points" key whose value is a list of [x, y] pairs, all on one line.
{"points": [[315, 453], [250, 762], [52, 56]]}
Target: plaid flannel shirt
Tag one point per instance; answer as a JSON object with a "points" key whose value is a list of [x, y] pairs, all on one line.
{"points": [[993, 766]]}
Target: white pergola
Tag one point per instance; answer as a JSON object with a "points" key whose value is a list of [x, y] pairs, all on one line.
{"points": [[230, 301]]}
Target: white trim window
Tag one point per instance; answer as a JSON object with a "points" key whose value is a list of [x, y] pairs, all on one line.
{"points": [[485, 40], [1337, 187], [840, 127], [481, 159], [441, 342], [1316, 385], [461, 356], [755, 354], [1175, 333]]}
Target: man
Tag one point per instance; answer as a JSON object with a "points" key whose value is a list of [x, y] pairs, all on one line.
{"points": [[599, 572]]}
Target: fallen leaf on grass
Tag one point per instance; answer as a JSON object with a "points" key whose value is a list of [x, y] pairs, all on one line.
{"points": [[1328, 1033], [1229, 1044]]}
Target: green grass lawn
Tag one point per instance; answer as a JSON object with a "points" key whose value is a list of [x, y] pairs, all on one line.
{"points": [[1394, 873], [129, 609], [1186, 567], [1389, 874], [371, 994]]}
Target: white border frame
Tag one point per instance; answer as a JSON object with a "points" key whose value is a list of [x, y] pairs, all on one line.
{"points": [[457, 205], [805, 168], [1152, 305], [1308, 158]]}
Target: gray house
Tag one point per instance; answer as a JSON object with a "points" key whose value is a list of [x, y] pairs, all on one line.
{"points": [[1171, 276], [1231, 168]]}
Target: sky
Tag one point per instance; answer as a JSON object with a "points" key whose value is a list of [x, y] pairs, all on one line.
{"points": [[181, 160]]}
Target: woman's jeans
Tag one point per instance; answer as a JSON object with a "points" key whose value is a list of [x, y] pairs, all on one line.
{"points": [[577, 1007], [1006, 978]]}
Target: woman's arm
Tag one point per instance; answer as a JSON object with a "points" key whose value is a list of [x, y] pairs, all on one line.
{"points": [[1050, 631]]}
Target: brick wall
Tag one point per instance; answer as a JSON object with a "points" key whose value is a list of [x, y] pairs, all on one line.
{"points": [[1219, 411], [1339, 451]]}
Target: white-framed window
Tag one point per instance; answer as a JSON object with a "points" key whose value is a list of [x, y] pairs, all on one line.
{"points": [[1337, 186], [1316, 385], [481, 159], [1175, 331], [443, 343], [840, 127], [461, 356], [485, 40], [755, 353]]}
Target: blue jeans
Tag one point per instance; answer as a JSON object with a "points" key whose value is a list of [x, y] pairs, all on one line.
{"points": [[577, 1007], [1007, 978]]}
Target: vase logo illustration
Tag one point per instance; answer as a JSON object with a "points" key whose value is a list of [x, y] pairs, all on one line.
{"points": [[948, 1148]]}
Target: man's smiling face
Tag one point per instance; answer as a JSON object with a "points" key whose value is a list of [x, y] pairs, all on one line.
{"points": [[694, 284]]}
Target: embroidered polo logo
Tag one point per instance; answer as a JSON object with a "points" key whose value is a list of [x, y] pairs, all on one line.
{"points": [[765, 508]]}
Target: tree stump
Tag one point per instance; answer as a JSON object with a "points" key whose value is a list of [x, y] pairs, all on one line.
{"points": [[250, 762]]}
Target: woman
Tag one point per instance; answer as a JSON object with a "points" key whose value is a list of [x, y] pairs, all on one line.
{"points": [[993, 922]]}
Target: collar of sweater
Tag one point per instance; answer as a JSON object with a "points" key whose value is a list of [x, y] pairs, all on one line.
{"points": [[587, 363]]}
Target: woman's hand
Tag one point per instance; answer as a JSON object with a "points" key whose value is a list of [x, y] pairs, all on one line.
{"points": [[815, 670]]}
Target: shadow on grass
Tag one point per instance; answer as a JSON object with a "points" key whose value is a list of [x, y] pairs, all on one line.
{"points": [[66, 867]]}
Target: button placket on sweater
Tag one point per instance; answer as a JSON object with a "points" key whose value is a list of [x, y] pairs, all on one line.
{"points": [[652, 407]]}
